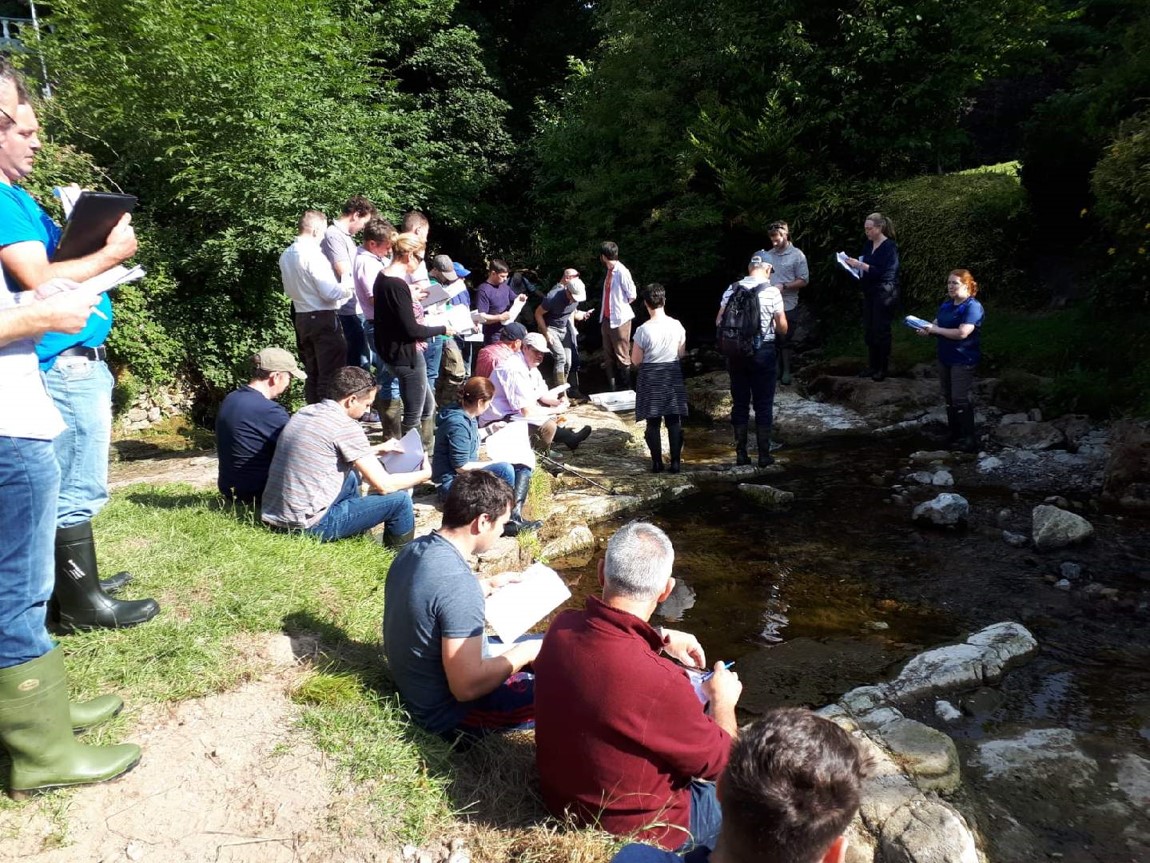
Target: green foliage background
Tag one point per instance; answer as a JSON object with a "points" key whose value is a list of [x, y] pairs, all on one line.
{"points": [[535, 130]]}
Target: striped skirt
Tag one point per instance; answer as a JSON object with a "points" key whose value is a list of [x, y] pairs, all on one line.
{"points": [[660, 391]]}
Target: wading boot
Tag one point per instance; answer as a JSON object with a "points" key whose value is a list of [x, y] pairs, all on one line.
{"points": [[655, 447], [81, 601], [398, 540], [573, 392], [763, 439], [968, 440], [741, 457], [89, 714], [785, 366], [36, 729], [953, 427], [390, 417], [675, 438], [517, 524], [427, 434]]}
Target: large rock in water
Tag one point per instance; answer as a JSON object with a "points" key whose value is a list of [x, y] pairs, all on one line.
{"points": [[1052, 527], [944, 510], [1127, 479], [1030, 435], [888, 401], [1041, 758], [927, 831], [767, 496]]}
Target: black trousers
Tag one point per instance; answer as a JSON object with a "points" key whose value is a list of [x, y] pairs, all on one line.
{"points": [[322, 349]]}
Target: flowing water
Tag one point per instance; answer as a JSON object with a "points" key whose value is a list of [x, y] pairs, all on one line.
{"points": [[842, 589]]}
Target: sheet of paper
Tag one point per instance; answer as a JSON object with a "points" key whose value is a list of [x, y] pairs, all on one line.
{"points": [[555, 392], [67, 196], [113, 278], [492, 646], [410, 459], [841, 257], [435, 294], [511, 444], [516, 607], [456, 317]]}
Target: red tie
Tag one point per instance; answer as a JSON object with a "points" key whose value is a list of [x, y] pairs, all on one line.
{"points": [[607, 297]]}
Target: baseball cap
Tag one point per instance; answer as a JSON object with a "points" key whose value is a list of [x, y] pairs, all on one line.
{"points": [[513, 332], [278, 360], [444, 268], [536, 340], [578, 290], [759, 258], [461, 270]]}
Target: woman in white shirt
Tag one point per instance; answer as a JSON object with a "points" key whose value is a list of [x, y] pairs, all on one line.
{"points": [[660, 395]]}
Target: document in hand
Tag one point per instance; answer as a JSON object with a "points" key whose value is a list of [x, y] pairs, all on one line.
{"points": [[92, 218], [841, 257], [457, 317], [410, 459], [556, 392], [511, 444], [515, 608], [915, 323]]}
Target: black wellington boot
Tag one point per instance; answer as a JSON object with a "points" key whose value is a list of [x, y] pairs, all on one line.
{"points": [[675, 438], [968, 441], [741, 457], [953, 426], [81, 601], [763, 439], [655, 447], [571, 439], [517, 524]]}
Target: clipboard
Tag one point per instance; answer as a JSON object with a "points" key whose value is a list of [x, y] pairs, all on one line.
{"points": [[91, 220]]}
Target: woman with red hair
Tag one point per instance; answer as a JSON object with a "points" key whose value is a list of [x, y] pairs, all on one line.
{"points": [[958, 327]]}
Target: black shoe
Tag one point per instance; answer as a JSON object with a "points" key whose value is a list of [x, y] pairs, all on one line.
{"points": [[675, 466], [741, 457], [763, 439]]}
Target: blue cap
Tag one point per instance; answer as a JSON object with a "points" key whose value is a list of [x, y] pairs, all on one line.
{"points": [[461, 270]]}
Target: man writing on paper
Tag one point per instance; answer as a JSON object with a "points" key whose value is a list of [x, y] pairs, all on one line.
{"points": [[321, 455], [621, 739], [554, 317], [77, 378], [433, 612], [521, 393]]}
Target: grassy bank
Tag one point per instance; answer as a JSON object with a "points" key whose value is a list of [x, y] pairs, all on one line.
{"points": [[225, 585], [1096, 365]]}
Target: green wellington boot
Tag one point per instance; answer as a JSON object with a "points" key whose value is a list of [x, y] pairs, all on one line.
{"points": [[89, 714], [36, 729]]}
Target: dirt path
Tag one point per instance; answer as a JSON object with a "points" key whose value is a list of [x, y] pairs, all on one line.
{"points": [[224, 778]]}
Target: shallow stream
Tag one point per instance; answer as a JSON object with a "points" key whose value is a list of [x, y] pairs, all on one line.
{"points": [[843, 588]]}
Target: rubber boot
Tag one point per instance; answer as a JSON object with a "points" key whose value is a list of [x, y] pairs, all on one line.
{"points": [[633, 378], [675, 438], [871, 365], [398, 540], [116, 583], [390, 417], [517, 524], [881, 367], [785, 366], [741, 457], [968, 440], [953, 426], [573, 392], [610, 383], [89, 714], [763, 440], [82, 604], [571, 439], [36, 729], [427, 434], [655, 447], [560, 378]]}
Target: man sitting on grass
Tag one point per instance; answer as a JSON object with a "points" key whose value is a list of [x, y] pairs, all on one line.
{"points": [[622, 740], [433, 611], [321, 456], [790, 789], [249, 424]]}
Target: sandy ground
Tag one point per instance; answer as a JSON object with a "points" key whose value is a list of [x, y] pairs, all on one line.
{"points": [[223, 778]]}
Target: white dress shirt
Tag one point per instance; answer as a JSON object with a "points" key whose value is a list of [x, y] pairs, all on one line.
{"points": [[309, 279]]}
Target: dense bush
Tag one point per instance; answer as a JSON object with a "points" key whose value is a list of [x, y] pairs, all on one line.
{"points": [[978, 221], [1121, 186]]}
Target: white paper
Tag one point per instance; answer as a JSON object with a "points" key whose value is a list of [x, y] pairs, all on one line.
{"points": [[113, 278], [515, 608], [556, 392], [410, 459], [511, 444], [916, 323], [841, 257], [495, 647], [435, 294], [67, 196], [457, 317]]}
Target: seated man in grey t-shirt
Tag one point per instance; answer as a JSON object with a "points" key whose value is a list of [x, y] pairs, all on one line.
{"points": [[320, 459], [433, 611]]}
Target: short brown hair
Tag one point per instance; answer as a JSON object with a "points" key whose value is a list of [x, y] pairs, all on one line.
{"points": [[475, 493], [348, 381], [358, 205], [791, 785]]}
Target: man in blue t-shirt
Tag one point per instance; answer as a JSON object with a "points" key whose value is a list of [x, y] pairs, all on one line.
{"points": [[76, 376], [790, 789], [249, 424], [433, 611]]}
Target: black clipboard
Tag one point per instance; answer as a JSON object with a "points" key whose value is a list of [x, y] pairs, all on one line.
{"points": [[92, 219]]}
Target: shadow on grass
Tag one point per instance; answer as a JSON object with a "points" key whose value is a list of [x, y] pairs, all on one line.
{"points": [[492, 782], [175, 500]]}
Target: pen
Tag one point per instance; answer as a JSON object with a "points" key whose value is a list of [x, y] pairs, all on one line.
{"points": [[711, 674]]}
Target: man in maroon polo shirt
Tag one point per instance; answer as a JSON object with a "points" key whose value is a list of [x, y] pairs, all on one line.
{"points": [[622, 740]]}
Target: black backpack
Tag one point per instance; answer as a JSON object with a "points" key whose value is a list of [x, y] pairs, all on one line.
{"points": [[740, 333]]}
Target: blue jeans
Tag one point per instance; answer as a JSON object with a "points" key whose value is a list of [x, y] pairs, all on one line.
{"points": [[753, 378], [706, 815], [433, 357], [29, 484], [82, 391], [351, 514], [354, 333], [502, 469]]}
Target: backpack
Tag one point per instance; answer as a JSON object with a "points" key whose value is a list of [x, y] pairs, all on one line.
{"points": [[740, 332]]}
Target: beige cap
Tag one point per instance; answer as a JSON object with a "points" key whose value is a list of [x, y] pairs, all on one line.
{"points": [[536, 340], [578, 290], [278, 360]]}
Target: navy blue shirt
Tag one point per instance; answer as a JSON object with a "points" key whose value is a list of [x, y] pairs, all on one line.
{"points": [[247, 428], [960, 352], [881, 278], [558, 307]]}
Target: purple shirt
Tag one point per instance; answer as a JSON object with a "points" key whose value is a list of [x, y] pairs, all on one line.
{"points": [[494, 300]]}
